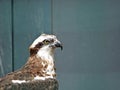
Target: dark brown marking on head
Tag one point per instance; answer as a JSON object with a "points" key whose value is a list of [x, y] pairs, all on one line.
{"points": [[39, 45], [34, 50]]}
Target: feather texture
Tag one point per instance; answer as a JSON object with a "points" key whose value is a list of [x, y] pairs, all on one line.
{"points": [[39, 71]]}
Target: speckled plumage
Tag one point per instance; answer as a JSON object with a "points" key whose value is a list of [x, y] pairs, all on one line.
{"points": [[38, 65]]}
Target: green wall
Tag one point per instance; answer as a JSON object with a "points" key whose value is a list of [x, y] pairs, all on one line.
{"points": [[90, 32], [88, 29], [5, 37]]}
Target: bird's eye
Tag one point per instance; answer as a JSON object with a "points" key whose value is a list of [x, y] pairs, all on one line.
{"points": [[46, 42]]}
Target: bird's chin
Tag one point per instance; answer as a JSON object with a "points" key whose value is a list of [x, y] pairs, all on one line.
{"points": [[52, 48]]}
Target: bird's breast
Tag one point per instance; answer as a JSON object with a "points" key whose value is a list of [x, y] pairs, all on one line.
{"points": [[40, 67]]}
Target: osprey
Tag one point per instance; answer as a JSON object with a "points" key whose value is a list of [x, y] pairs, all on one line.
{"points": [[39, 71]]}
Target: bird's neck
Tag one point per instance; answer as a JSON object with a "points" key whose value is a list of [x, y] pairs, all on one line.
{"points": [[46, 54], [42, 64]]}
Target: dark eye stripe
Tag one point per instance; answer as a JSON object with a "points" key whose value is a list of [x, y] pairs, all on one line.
{"points": [[39, 45], [49, 41], [46, 40], [52, 40]]}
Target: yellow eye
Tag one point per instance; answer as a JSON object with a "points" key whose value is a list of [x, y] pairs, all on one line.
{"points": [[46, 42]]}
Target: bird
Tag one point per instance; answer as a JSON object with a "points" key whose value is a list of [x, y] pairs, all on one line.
{"points": [[39, 72]]}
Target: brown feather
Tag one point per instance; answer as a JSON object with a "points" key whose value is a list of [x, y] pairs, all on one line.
{"points": [[32, 68]]}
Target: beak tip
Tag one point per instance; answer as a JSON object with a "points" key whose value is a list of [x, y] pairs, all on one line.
{"points": [[61, 47]]}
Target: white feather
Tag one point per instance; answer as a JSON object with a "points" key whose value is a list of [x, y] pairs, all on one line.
{"points": [[19, 81], [46, 53], [39, 78]]}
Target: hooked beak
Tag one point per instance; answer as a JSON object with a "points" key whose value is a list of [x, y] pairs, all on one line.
{"points": [[58, 45]]}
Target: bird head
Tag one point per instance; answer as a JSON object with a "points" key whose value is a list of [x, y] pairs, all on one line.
{"points": [[45, 43]]}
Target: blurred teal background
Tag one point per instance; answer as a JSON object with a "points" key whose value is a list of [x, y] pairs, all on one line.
{"points": [[88, 29]]}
